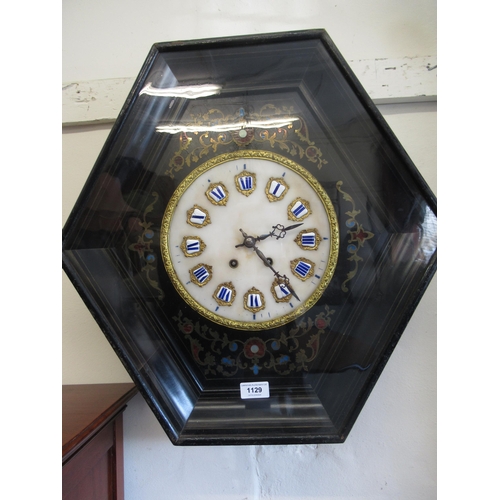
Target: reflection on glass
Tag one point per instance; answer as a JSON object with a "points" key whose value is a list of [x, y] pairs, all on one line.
{"points": [[285, 121], [187, 92], [428, 243]]}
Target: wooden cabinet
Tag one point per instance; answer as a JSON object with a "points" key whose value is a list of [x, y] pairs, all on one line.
{"points": [[92, 440]]}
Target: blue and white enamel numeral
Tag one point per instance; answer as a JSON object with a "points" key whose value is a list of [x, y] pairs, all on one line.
{"points": [[308, 239], [198, 217], [217, 194], [246, 182], [298, 210], [276, 189], [201, 274], [280, 292], [192, 246], [254, 300], [302, 268], [225, 294]]}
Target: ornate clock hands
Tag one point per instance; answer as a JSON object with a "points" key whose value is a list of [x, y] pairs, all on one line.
{"points": [[282, 231], [278, 227], [249, 242]]}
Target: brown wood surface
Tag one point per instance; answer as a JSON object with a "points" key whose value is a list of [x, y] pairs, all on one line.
{"points": [[87, 408], [91, 474], [118, 459]]}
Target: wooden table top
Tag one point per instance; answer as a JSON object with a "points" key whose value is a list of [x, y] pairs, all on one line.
{"points": [[86, 408]]}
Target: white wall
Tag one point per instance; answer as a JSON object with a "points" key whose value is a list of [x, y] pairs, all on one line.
{"points": [[391, 451], [111, 38]]}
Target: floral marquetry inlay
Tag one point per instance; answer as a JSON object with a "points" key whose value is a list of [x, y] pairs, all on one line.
{"points": [[291, 137], [219, 353]]}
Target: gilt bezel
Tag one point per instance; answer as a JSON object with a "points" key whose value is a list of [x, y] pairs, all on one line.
{"points": [[333, 241]]}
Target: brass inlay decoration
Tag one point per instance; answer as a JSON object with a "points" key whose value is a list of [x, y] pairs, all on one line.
{"points": [[143, 248], [357, 236], [221, 353], [292, 138]]}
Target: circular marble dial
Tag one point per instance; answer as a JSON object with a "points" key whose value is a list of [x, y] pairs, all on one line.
{"points": [[250, 240]]}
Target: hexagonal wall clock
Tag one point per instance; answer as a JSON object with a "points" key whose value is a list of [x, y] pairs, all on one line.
{"points": [[252, 240]]}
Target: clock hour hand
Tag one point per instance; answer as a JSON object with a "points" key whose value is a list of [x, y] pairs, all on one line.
{"points": [[286, 282], [282, 231], [264, 259]]}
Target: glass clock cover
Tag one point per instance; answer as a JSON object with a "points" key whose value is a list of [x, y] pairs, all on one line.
{"points": [[252, 240]]}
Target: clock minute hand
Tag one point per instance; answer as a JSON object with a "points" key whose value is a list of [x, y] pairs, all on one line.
{"points": [[282, 231]]}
